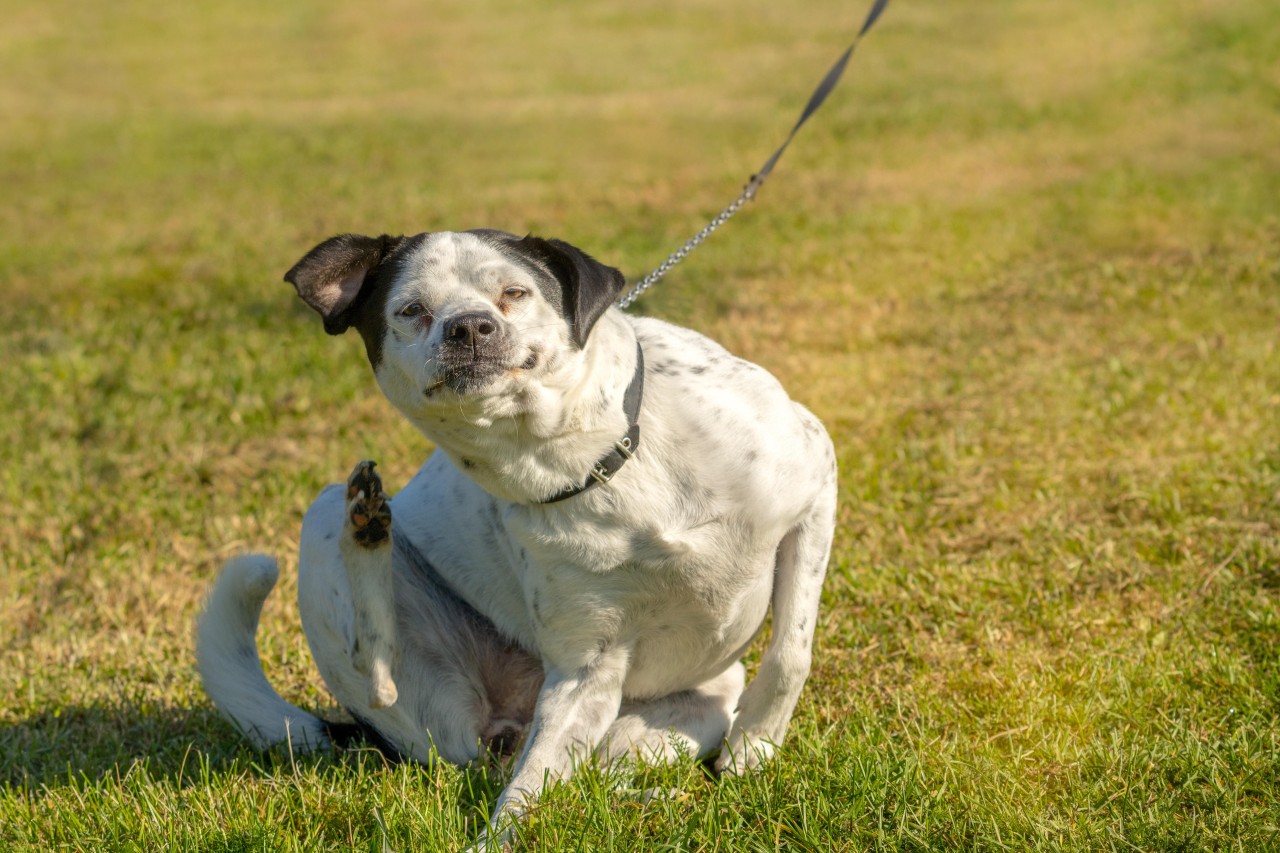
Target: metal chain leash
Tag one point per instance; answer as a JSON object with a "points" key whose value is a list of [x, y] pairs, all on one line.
{"points": [[749, 192], [680, 254]]}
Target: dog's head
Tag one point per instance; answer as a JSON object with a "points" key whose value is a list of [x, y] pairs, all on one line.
{"points": [[457, 315]]}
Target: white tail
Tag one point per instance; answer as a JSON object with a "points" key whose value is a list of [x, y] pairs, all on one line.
{"points": [[227, 657]]}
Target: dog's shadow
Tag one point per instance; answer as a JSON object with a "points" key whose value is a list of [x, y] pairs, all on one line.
{"points": [[100, 740], [101, 743]]}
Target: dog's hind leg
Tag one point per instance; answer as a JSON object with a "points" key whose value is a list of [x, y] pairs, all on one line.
{"points": [[770, 698], [445, 652], [689, 724], [366, 553]]}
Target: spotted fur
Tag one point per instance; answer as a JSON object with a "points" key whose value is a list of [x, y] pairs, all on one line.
{"points": [[604, 624]]}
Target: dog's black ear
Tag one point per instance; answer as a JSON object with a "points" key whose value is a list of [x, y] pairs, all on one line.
{"points": [[587, 287], [332, 276]]}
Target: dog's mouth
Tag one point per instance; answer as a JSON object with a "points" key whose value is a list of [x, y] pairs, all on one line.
{"points": [[466, 373], [467, 378]]}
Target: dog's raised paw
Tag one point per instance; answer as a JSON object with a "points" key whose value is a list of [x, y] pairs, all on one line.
{"points": [[367, 507]]}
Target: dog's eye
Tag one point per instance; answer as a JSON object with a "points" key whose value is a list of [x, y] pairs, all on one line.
{"points": [[413, 309], [515, 293]]}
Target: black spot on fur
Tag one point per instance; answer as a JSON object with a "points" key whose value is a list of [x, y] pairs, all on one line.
{"points": [[666, 368]]}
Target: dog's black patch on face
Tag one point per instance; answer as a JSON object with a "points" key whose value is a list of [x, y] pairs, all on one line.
{"points": [[576, 285], [507, 244], [347, 278]]}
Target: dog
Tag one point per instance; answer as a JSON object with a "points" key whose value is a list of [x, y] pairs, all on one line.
{"points": [[614, 505]]}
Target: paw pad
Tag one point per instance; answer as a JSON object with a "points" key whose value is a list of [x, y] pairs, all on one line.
{"points": [[367, 507]]}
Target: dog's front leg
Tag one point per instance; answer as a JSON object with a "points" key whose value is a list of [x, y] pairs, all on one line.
{"points": [[574, 711]]}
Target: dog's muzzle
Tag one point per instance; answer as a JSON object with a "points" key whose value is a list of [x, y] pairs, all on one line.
{"points": [[472, 329], [474, 350]]}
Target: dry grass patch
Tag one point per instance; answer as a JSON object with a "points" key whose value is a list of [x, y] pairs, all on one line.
{"points": [[1024, 265]]}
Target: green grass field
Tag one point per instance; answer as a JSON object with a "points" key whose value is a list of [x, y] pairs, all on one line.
{"points": [[1025, 265]]}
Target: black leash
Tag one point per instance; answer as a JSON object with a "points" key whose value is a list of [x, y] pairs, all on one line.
{"points": [[815, 101]]}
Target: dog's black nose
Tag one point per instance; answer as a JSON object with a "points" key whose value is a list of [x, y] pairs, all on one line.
{"points": [[469, 328]]}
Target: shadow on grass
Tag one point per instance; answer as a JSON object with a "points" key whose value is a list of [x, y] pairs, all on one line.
{"points": [[96, 741], [89, 744]]}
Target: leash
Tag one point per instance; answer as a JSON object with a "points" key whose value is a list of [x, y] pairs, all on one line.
{"points": [[757, 180]]}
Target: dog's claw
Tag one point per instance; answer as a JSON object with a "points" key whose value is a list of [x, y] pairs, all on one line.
{"points": [[367, 506]]}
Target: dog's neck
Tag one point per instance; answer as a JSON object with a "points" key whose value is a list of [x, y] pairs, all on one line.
{"points": [[533, 444]]}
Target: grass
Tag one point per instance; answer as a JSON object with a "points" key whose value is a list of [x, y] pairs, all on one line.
{"points": [[1025, 265]]}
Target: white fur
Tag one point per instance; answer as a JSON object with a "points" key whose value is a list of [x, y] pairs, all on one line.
{"points": [[227, 658], [635, 599]]}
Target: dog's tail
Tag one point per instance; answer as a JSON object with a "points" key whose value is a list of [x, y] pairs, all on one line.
{"points": [[227, 657]]}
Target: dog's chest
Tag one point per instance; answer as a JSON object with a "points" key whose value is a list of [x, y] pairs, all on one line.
{"points": [[669, 592]]}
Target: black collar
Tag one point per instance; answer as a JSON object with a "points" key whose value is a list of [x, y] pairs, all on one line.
{"points": [[624, 448]]}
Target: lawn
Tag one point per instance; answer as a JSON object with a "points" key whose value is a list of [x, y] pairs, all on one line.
{"points": [[1025, 265]]}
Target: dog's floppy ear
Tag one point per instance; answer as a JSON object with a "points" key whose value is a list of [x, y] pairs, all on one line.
{"points": [[587, 287], [331, 277]]}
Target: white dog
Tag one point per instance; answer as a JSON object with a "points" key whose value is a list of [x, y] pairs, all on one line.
{"points": [[615, 504]]}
